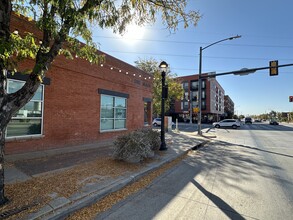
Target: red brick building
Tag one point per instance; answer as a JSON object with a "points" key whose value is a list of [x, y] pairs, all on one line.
{"points": [[212, 99], [78, 103], [229, 106]]}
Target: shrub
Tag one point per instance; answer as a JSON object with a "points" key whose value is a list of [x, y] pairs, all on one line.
{"points": [[153, 137], [137, 145]]}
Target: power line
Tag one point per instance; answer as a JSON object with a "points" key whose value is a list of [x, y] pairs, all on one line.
{"points": [[192, 56], [193, 42]]}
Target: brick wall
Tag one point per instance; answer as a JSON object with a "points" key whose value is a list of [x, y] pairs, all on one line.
{"points": [[72, 102]]}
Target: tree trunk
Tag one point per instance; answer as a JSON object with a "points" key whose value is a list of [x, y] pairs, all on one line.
{"points": [[3, 199], [5, 12], [11, 103]]}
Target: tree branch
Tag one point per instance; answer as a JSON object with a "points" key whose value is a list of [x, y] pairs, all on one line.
{"points": [[89, 4]]}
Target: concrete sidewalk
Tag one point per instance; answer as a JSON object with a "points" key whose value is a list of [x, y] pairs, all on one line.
{"points": [[23, 167]]}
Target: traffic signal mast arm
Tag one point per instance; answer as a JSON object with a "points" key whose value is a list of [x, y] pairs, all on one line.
{"points": [[244, 71]]}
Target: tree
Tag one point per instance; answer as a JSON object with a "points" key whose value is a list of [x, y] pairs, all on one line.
{"points": [[61, 22], [273, 114], [241, 117], [175, 90], [290, 116]]}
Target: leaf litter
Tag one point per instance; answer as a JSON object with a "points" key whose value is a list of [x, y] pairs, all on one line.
{"points": [[39, 191]]}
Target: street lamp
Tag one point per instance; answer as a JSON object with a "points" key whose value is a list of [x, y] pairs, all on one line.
{"points": [[199, 79], [163, 66]]}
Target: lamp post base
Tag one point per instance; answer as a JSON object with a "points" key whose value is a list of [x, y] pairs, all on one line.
{"points": [[163, 147]]}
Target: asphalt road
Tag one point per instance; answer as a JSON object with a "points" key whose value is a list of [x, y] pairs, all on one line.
{"points": [[246, 174]]}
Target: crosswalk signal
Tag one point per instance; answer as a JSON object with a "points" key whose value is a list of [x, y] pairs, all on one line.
{"points": [[291, 98], [274, 68]]}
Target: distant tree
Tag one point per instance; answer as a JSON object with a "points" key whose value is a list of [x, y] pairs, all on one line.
{"points": [[273, 114], [241, 117], [175, 90], [290, 116], [62, 21]]}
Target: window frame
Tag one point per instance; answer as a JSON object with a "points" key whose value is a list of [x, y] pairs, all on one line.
{"points": [[41, 118], [114, 113]]}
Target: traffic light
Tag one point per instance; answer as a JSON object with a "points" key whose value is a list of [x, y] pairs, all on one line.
{"points": [[274, 68], [290, 98]]}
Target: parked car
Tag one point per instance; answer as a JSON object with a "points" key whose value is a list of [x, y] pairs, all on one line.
{"points": [[273, 122], [157, 122], [257, 120], [227, 123], [248, 120]]}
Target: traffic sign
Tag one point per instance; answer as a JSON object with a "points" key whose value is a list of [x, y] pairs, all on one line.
{"points": [[195, 110]]}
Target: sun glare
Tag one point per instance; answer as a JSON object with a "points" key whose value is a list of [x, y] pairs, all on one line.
{"points": [[133, 33]]}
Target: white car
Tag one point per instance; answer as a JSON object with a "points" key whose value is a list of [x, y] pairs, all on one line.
{"points": [[157, 122], [227, 123]]}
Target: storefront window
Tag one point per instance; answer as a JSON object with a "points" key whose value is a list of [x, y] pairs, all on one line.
{"points": [[28, 120], [113, 113]]}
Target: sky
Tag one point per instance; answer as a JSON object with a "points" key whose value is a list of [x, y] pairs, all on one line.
{"points": [[266, 34]]}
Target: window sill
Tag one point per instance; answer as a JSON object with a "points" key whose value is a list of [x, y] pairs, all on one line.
{"points": [[24, 138], [116, 130]]}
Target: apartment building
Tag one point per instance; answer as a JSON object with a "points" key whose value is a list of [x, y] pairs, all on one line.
{"points": [[212, 100], [228, 106]]}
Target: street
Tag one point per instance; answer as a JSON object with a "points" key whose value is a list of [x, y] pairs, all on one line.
{"points": [[247, 173]]}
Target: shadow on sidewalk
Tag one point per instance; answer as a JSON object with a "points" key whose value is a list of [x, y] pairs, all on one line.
{"points": [[220, 203]]}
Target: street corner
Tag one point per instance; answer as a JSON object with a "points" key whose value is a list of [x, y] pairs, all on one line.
{"points": [[209, 133]]}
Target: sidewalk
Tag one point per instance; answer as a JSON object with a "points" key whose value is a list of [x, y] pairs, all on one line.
{"points": [[23, 168]]}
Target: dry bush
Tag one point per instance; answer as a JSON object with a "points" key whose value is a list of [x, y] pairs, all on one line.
{"points": [[137, 145]]}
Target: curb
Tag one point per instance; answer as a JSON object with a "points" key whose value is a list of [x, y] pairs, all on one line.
{"points": [[61, 207]]}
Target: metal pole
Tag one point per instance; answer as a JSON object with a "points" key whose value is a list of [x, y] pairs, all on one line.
{"points": [[199, 79], [163, 143], [199, 93], [190, 108]]}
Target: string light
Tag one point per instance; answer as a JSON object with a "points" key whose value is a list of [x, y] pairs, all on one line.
{"points": [[126, 72]]}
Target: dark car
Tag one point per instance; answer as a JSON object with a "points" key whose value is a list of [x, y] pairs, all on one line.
{"points": [[248, 120], [272, 122]]}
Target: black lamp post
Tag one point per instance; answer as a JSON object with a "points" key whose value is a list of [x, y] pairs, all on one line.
{"points": [[163, 66]]}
